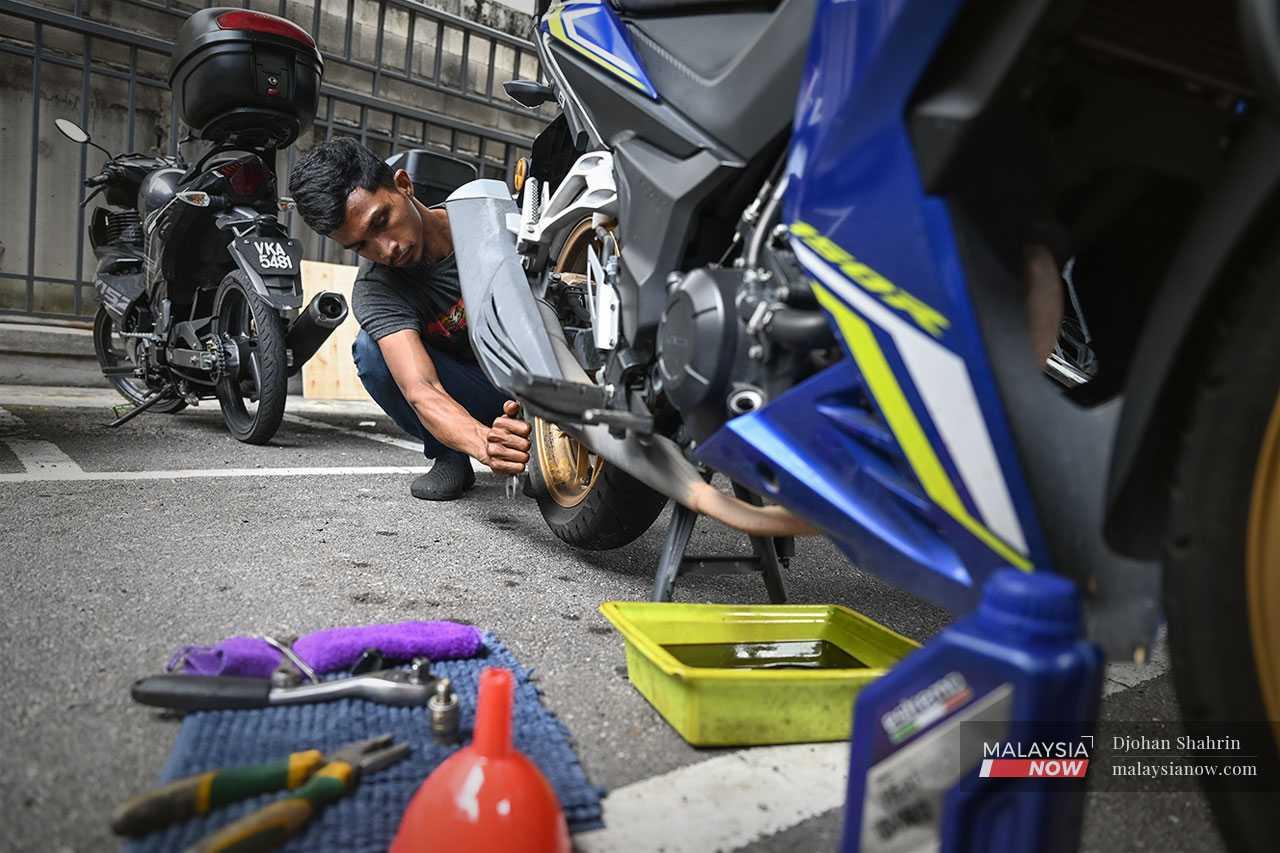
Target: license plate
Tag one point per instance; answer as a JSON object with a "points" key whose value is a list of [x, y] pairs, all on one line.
{"points": [[270, 256]]}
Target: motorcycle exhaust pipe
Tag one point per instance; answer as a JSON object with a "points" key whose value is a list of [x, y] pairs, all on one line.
{"points": [[308, 332], [658, 463]]}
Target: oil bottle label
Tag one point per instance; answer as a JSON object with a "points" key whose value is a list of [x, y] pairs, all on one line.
{"points": [[917, 712], [902, 806]]}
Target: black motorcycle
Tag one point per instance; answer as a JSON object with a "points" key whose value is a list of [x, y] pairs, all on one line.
{"points": [[198, 281]]}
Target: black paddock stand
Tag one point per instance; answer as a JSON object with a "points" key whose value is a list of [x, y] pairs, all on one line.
{"points": [[771, 556]]}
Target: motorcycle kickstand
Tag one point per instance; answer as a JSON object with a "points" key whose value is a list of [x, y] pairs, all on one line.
{"points": [[147, 402]]}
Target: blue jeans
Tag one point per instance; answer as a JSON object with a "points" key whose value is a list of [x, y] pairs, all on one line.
{"points": [[464, 381]]}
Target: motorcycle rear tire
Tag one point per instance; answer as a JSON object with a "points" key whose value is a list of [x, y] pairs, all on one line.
{"points": [[1222, 559], [103, 326], [272, 375], [616, 510], [613, 508]]}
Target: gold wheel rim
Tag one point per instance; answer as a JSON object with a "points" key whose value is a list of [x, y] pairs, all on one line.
{"points": [[1262, 569], [569, 470]]}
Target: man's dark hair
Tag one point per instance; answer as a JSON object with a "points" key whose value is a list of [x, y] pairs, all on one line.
{"points": [[323, 177]]}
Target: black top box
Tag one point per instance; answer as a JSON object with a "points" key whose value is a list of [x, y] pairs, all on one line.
{"points": [[245, 77]]}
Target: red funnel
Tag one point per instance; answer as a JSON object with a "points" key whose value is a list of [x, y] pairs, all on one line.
{"points": [[487, 796]]}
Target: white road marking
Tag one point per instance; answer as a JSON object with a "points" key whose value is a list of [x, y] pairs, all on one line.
{"points": [[209, 473], [403, 443], [684, 811], [54, 397], [41, 458], [96, 398]]}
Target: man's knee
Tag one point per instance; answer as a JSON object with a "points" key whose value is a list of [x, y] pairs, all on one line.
{"points": [[371, 367]]}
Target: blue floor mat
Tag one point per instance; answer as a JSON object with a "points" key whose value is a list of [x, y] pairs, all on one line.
{"points": [[367, 819]]}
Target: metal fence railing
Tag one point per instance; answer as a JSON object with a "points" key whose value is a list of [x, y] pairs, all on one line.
{"points": [[398, 74]]}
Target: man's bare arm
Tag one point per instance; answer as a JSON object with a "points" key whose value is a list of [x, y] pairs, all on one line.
{"points": [[415, 374]]}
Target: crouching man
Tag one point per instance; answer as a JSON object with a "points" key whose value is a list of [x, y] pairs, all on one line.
{"points": [[412, 352]]}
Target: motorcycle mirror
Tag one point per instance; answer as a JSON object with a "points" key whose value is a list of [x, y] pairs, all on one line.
{"points": [[195, 198], [286, 204], [71, 130], [529, 93]]}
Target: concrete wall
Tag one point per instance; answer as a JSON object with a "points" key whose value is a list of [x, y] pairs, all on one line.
{"points": [[61, 93]]}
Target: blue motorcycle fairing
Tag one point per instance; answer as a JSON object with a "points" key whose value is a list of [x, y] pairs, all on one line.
{"points": [[817, 449], [901, 453], [593, 30]]}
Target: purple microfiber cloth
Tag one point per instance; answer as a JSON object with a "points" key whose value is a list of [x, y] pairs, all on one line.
{"points": [[248, 657], [339, 648], [332, 649]]}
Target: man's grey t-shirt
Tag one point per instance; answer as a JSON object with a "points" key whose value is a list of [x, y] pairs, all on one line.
{"points": [[426, 298]]}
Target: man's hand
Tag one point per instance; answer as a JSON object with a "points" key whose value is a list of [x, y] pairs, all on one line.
{"points": [[507, 444]]}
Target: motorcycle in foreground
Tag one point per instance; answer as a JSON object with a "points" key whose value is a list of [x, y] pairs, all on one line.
{"points": [[804, 246], [198, 281]]}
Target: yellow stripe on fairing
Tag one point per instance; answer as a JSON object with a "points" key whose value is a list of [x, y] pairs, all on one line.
{"points": [[904, 425], [556, 26]]}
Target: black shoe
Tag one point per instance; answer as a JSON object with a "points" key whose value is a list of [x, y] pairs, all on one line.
{"points": [[449, 477]]}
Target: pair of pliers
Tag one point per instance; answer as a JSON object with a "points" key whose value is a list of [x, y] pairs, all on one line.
{"points": [[314, 779]]}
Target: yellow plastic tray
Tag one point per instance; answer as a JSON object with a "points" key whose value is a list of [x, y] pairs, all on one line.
{"points": [[740, 707]]}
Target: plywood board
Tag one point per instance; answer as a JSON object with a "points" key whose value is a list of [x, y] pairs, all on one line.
{"points": [[330, 374]]}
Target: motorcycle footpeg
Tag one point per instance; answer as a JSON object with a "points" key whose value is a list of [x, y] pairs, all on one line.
{"points": [[619, 421], [558, 399]]}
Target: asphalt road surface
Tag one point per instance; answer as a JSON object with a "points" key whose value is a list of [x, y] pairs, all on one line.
{"points": [[113, 553]]}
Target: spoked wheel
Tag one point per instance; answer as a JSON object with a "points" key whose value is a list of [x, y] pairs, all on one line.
{"points": [[585, 501], [1222, 568], [254, 380], [113, 351]]}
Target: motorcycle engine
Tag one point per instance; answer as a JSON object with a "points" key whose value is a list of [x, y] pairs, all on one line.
{"points": [[703, 349]]}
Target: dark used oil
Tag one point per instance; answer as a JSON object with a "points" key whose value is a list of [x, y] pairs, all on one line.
{"points": [[788, 654]]}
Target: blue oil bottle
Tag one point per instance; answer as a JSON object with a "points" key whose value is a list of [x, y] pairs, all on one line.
{"points": [[976, 742]]}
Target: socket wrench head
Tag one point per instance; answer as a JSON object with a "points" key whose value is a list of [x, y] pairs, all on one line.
{"points": [[445, 712]]}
